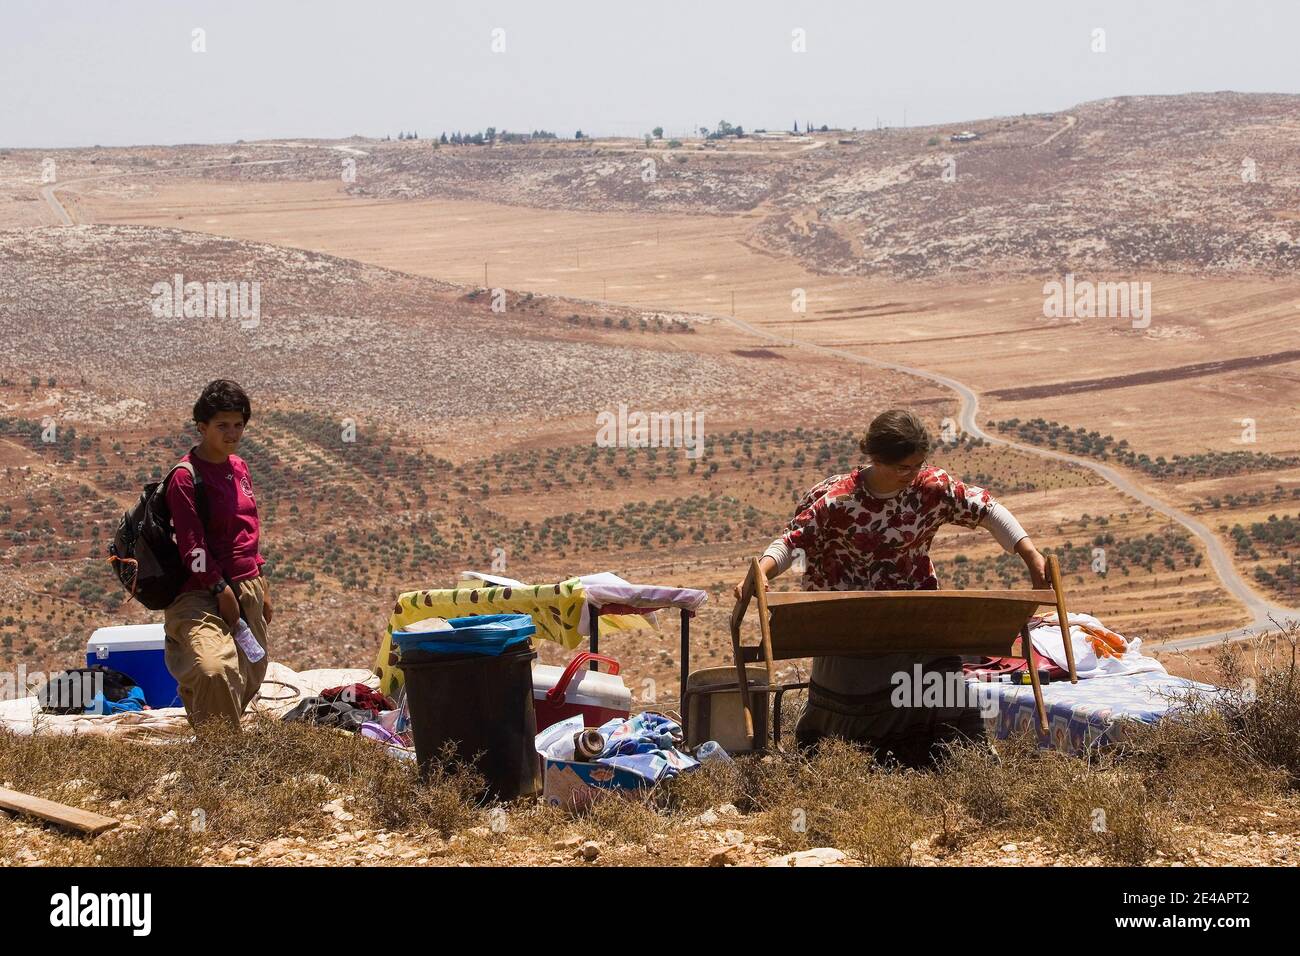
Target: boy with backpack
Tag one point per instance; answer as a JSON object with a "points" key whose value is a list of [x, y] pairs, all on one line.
{"points": [[220, 550]]}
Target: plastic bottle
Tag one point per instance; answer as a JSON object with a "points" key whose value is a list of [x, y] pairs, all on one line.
{"points": [[711, 751], [248, 643]]}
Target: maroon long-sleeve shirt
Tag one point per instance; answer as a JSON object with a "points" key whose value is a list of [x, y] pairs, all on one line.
{"points": [[226, 546]]}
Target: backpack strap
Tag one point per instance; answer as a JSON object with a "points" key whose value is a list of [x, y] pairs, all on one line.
{"points": [[200, 497]]}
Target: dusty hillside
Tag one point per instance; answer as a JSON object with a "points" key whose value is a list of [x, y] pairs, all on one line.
{"points": [[1205, 184], [1202, 183], [474, 430], [77, 304]]}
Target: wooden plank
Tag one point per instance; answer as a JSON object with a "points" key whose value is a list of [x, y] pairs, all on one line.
{"points": [[742, 605], [888, 622], [1027, 651], [764, 626], [1062, 616], [957, 598], [747, 589], [74, 818]]}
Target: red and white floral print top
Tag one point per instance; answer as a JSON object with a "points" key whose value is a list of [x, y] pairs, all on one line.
{"points": [[854, 541]]}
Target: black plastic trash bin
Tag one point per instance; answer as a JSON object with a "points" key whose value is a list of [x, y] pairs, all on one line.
{"points": [[484, 705]]}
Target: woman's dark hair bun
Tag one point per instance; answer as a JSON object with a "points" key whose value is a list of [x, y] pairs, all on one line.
{"points": [[895, 435]]}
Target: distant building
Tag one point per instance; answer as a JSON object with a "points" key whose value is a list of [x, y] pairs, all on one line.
{"points": [[965, 136]]}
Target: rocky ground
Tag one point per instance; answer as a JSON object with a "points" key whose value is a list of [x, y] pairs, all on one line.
{"points": [[721, 836]]}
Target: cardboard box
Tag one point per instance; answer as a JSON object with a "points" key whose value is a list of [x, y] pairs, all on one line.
{"points": [[574, 784]]}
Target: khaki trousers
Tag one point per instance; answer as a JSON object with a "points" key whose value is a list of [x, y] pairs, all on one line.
{"points": [[215, 677]]}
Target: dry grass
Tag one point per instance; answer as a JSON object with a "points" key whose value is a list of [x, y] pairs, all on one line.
{"points": [[265, 783], [1243, 746], [1122, 805], [1090, 806]]}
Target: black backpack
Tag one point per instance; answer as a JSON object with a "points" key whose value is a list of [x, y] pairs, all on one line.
{"points": [[73, 691], [144, 553]]}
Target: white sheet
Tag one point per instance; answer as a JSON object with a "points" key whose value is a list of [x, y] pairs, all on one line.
{"points": [[281, 691], [1048, 642]]}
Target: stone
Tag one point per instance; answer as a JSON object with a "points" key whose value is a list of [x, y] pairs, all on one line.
{"points": [[821, 856], [274, 848], [732, 855]]}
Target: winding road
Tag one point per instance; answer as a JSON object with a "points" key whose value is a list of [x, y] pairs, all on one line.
{"points": [[1261, 610]]}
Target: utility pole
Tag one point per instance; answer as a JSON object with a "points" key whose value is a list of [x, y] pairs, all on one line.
{"points": [[485, 281]]}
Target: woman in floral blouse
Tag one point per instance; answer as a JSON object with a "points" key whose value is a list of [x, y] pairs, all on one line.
{"points": [[870, 530]]}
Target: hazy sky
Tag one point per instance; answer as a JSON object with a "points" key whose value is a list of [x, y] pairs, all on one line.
{"points": [[119, 73]]}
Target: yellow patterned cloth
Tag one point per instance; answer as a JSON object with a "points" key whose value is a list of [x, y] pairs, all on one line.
{"points": [[556, 610]]}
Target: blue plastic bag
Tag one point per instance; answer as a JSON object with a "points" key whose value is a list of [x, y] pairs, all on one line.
{"points": [[133, 701], [486, 634]]}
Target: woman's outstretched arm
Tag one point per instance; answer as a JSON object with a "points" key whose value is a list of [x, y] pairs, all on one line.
{"points": [[779, 555], [1006, 530]]}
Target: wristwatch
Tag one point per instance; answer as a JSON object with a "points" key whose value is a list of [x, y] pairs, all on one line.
{"points": [[218, 587]]}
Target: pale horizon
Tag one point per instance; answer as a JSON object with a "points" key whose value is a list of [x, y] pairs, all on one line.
{"points": [[127, 75]]}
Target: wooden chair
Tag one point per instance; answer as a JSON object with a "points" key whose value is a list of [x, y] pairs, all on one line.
{"points": [[798, 624]]}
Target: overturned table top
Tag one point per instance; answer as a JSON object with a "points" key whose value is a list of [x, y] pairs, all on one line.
{"points": [[829, 623]]}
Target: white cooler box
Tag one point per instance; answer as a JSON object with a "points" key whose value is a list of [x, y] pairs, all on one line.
{"points": [[137, 651]]}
